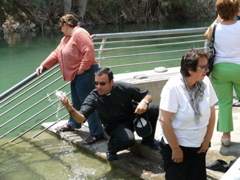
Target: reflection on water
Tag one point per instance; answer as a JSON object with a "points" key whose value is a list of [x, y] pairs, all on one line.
{"points": [[13, 39], [46, 158]]}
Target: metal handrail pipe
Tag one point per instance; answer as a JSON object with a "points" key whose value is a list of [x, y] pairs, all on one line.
{"points": [[144, 40], [152, 62], [41, 100], [29, 129], [18, 85], [27, 120], [148, 33], [152, 45], [145, 54], [50, 126], [30, 96], [22, 87], [55, 72]]}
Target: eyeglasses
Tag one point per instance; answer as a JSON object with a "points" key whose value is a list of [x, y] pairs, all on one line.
{"points": [[61, 24], [203, 68], [101, 83]]}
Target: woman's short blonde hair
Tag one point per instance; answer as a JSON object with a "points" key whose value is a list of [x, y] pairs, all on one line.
{"points": [[227, 9], [69, 20]]}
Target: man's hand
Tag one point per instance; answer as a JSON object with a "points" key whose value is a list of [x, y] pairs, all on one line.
{"points": [[65, 101], [76, 115], [141, 108]]}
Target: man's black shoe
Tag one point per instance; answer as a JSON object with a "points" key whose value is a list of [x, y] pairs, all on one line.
{"points": [[112, 156], [153, 144]]}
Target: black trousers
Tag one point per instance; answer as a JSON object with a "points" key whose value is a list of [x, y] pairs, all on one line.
{"points": [[192, 167], [122, 133]]}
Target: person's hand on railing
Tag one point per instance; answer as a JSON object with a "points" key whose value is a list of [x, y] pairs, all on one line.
{"points": [[39, 70]]}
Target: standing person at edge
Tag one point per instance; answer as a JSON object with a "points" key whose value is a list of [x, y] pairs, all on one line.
{"points": [[226, 69], [114, 104], [75, 55], [187, 117]]}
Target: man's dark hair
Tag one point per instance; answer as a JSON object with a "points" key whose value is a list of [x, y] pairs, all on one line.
{"points": [[105, 70], [190, 60]]}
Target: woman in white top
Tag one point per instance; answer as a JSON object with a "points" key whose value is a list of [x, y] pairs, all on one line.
{"points": [[226, 70], [187, 117]]}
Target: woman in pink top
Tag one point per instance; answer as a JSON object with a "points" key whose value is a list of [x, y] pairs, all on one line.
{"points": [[75, 55]]}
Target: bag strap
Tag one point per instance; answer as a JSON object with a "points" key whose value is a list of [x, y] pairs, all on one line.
{"points": [[213, 33]]}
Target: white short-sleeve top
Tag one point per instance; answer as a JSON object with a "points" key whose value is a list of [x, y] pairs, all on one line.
{"points": [[175, 99]]}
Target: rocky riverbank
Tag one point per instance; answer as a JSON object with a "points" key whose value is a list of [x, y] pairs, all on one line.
{"points": [[27, 15]]}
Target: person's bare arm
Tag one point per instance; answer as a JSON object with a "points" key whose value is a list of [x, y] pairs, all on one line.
{"points": [[210, 128], [165, 121], [208, 33]]}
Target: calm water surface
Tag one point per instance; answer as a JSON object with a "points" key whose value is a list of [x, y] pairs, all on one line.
{"points": [[47, 157]]}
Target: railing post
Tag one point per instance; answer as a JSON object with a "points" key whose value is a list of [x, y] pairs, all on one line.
{"points": [[101, 49]]}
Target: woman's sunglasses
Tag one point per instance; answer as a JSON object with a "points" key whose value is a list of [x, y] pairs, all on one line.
{"points": [[203, 68]]}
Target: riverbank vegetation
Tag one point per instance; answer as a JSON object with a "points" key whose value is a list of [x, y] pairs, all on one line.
{"points": [[37, 15]]}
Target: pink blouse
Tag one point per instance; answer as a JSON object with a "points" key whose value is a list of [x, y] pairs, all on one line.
{"points": [[75, 52]]}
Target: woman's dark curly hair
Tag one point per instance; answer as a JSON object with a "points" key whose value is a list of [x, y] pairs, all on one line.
{"points": [[190, 61], [69, 20], [227, 9]]}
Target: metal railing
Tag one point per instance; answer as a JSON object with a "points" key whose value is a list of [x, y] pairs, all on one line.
{"points": [[28, 104], [132, 51]]}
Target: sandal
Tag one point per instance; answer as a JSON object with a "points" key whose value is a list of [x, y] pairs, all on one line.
{"points": [[218, 165], [92, 139], [236, 104], [65, 128], [226, 143]]}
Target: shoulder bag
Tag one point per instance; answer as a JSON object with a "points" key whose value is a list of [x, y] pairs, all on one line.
{"points": [[211, 51]]}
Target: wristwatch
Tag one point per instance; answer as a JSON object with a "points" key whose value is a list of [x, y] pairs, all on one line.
{"points": [[146, 101]]}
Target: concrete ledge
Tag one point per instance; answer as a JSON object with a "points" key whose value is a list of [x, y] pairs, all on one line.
{"points": [[153, 80]]}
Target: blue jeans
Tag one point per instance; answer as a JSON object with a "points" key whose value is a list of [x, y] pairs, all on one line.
{"points": [[81, 86]]}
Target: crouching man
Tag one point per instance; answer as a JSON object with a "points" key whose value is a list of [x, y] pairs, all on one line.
{"points": [[114, 104]]}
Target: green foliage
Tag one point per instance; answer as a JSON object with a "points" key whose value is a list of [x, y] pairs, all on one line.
{"points": [[124, 11], [188, 9], [47, 12]]}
